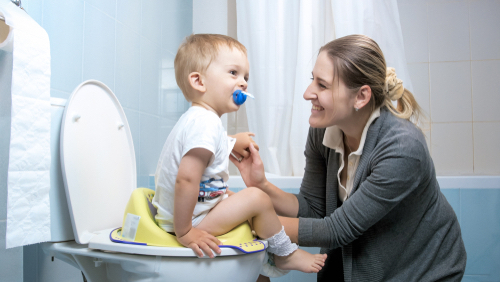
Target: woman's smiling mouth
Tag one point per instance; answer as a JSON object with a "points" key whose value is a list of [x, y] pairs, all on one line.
{"points": [[317, 108]]}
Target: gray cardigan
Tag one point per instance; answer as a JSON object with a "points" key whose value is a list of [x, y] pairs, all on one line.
{"points": [[396, 224]]}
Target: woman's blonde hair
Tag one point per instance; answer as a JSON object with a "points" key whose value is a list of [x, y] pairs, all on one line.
{"points": [[358, 61], [196, 53]]}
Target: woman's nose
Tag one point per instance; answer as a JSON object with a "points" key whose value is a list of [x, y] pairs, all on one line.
{"points": [[309, 94]]}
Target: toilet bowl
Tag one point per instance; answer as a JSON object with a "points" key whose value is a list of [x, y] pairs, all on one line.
{"points": [[99, 173]]}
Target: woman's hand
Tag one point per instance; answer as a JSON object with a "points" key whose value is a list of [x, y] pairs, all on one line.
{"points": [[251, 169], [199, 240], [242, 145]]}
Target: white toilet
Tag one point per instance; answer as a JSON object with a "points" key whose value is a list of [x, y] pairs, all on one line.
{"points": [[99, 171]]}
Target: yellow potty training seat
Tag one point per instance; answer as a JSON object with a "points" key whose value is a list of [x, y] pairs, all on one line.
{"points": [[140, 228]]}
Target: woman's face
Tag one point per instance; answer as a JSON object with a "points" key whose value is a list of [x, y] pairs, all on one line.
{"points": [[332, 102]]}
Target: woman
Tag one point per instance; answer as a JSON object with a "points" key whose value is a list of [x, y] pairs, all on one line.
{"points": [[369, 197]]}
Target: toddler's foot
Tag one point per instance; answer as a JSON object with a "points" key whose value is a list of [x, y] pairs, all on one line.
{"points": [[301, 260]]}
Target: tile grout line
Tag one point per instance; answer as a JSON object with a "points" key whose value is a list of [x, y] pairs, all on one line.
{"points": [[471, 90]]}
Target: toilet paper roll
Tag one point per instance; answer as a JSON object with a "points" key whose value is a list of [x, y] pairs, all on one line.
{"points": [[28, 183]]}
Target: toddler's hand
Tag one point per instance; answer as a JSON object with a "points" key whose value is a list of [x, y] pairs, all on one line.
{"points": [[242, 145], [199, 240]]}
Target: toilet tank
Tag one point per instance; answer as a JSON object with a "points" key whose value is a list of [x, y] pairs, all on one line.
{"points": [[60, 221]]}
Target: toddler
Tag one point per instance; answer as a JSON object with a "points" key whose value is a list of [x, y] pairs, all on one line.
{"points": [[192, 197]]}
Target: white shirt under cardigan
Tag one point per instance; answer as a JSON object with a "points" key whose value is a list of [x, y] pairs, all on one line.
{"points": [[334, 139], [197, 128]]}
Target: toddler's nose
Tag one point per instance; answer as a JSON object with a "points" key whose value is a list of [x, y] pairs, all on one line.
{"points": [[244, 85]]}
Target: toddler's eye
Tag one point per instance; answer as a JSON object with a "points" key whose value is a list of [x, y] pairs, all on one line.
{"points": [[233, 72]]}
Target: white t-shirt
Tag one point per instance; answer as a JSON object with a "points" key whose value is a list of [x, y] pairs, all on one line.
{"points": [[197, 128]]}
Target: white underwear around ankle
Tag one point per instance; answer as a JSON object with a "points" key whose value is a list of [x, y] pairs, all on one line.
{"points": [[280, 244]]}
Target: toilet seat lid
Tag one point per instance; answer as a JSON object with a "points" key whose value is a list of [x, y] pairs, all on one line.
{"points": [[97, 160]]}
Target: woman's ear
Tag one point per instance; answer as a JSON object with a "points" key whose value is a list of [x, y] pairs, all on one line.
{"points": [[196, 82], [363, 96]]}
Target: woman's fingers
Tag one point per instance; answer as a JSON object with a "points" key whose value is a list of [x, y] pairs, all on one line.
{"points": [[234, 160], [255, 155], [253, 142]]}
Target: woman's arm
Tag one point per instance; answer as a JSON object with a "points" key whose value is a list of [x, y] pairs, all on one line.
{"points": [[392, 179], [312, 197]]}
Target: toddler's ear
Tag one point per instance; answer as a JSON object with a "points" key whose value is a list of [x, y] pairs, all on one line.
{"points": [[196, 81]]}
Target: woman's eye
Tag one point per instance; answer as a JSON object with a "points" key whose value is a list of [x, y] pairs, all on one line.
{"points": [[322, 86]]}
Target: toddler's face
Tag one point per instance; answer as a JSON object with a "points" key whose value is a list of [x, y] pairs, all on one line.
{"points": [[226, 74]]}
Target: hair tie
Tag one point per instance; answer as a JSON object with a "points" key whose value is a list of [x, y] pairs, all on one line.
{"points": [[393, 86]]}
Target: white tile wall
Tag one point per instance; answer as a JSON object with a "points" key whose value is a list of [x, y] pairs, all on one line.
{"points": [[448, 31], [450, 92], [419, 74], [459, 42], [487, 148], [452, 149], [416, 45], [484, 30], [486, 90]]}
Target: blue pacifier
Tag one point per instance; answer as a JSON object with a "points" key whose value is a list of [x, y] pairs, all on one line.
{"points": [[239, 97]]}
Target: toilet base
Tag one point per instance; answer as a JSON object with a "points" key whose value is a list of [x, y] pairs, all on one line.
{"points": [[100, 266]]}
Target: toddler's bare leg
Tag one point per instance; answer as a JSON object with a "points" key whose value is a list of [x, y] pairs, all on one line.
{"points": [[253, 203], [250, 203]]}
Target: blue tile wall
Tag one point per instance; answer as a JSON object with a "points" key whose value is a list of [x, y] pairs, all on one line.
{"points": [[66, 43], [152, 182], [480, 224], [99, 46]]}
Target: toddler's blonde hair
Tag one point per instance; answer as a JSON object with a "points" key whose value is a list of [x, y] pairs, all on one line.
{"points": [[196, 53]]}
